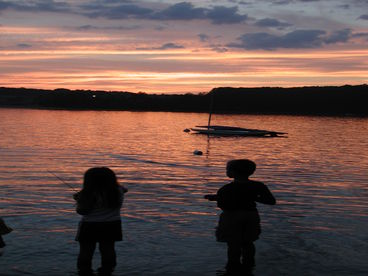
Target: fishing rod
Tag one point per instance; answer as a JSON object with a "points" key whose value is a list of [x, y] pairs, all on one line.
{"points": [[62, 181]]}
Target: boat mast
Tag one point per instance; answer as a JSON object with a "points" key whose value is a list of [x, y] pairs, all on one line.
{"points": [[211, 107]]}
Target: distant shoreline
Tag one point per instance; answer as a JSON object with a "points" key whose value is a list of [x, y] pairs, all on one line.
{"points": [[347, 100]]}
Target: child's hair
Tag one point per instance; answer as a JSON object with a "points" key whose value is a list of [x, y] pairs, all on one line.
{"points": [[240, 167], [100, 187]]}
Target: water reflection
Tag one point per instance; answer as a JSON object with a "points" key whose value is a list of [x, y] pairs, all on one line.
{"points": [[318, 174]]}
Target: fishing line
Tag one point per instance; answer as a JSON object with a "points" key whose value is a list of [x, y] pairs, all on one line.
{"points": [[62, 181], [164, 164]]}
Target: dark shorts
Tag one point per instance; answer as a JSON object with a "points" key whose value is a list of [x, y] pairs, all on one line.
{"points": [[238, 227], [99, 231]]}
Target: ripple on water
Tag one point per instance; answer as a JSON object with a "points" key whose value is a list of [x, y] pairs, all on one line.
{"points": [[319, 178]]}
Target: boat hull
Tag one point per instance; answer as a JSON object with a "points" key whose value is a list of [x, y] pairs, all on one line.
{"points": [[235, 131]]}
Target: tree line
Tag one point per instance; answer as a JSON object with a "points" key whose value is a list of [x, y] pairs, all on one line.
{"points": [[313, 100]]}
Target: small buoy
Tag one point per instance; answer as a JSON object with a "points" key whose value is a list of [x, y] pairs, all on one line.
{"points": [[186, 130], [197, 152]]}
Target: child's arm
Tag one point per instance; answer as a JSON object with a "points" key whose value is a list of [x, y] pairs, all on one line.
{"points": [[76, 196], [124, 190], [83, 207], [265, 196], [211, 197], [4, 229]]}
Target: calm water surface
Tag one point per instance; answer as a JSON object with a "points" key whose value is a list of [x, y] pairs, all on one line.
{"points": [[319, 175]]}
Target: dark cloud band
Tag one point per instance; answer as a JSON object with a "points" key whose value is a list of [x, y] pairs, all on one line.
{"points": [[298, 39], [115, 10]]}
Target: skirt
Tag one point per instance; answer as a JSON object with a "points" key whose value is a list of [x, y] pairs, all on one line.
{"points": [[99, 231], [238, 227]]}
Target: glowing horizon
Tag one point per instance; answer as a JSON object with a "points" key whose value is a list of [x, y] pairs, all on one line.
{"points": [[169, 50]]}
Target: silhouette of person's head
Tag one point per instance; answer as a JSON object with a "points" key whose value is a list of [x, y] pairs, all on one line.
{"points": [[100, 185], [99, 178], [240, 168]]}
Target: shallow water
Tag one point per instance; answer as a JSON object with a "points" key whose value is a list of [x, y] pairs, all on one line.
{"points": [[319, 175]]}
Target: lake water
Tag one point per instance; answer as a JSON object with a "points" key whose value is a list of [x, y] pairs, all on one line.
{"points": [[319, 175]]}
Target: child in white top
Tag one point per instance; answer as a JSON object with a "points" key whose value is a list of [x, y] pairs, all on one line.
{"points": [[99, 203]]}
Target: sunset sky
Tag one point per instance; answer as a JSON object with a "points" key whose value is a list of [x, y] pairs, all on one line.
{"points": [[166, 46]]}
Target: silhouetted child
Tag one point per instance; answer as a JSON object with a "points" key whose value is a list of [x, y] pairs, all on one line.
{"points": [[239, 223], [99, 203], [4, 229]]}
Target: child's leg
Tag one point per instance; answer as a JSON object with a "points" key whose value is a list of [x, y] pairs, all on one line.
{"points": [[108, 257], [233, 255], [248, 254], [84, 264]]}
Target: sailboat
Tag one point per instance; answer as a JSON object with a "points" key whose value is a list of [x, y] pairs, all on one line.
{"points": [[235, 131], [217, 130]]}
